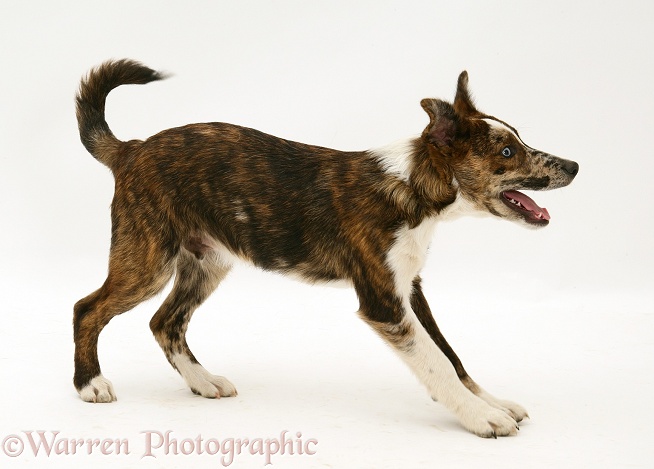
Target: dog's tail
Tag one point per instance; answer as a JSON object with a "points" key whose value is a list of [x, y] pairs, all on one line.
{"points": [[93, 128]]}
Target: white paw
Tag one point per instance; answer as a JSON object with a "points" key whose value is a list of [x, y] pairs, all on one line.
{"points": [[486, 421], [213, 386], [98, 390], [516, 411], [201, 381]]}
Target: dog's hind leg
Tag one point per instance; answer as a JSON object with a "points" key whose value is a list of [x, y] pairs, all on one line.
{"points": [[195, 280], [423, 313], [140, 265]]}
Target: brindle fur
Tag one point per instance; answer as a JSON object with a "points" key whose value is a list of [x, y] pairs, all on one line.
{"points": [[187, 193]]}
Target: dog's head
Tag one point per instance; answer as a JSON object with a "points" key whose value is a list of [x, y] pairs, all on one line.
{"points": [[489, 161]]}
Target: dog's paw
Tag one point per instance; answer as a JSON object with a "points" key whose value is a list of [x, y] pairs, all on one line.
{"points": [[200, 380], [516, 411], [213, 387], [487, 421], [99, 389]]}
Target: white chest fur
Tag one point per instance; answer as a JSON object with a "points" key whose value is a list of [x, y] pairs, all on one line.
{"points": [[407, 256]]}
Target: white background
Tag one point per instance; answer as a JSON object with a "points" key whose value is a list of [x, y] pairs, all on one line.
{"points": [[560, 320]]}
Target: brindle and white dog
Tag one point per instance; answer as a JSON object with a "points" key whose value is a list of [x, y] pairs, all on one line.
{"points": [[192, 200]]}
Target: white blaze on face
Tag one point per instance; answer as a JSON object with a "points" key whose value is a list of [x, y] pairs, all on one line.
{"points": [[498, 125], [504, 128]]}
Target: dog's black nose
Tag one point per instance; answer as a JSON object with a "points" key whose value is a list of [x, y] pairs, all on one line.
{"points": [[570, 167]]}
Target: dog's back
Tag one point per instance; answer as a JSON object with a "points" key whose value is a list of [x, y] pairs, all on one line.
{"points": [[280, 204]]}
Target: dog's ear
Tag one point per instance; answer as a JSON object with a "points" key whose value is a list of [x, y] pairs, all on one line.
{"points": [[442, 122], [463, 104]]}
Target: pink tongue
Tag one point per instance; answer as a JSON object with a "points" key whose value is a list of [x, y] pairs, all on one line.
{"points": [[527, 203]]}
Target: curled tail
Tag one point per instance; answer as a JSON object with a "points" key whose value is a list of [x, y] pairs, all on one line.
{"points": [[93, 128]]}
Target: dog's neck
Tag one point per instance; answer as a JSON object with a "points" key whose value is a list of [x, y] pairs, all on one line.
{"points": [[424, 182]]}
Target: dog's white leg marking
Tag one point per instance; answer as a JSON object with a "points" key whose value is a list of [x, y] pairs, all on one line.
{"points": [[435, 371], [99, 389], [424, 357], [200, 380]]}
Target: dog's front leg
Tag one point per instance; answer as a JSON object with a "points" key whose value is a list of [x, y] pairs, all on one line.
{"points": [[423, 313], [394, 320]]}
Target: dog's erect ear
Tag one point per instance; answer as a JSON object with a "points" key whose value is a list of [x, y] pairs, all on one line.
{"points": [[463, 104], [442, 122]]}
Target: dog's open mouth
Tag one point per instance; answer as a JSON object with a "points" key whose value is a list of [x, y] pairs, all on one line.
{"points": [[522, 204]]}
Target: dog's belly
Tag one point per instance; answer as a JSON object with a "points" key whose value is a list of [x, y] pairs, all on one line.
{"points": [[202, 245]]}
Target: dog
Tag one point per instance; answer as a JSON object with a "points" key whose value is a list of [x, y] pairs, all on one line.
{"points": [[192, 200]]}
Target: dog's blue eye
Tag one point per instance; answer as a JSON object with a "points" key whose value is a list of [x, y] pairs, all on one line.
{"points": [[507, 152]]}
